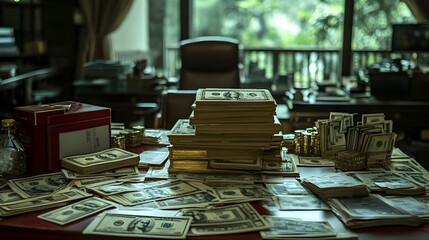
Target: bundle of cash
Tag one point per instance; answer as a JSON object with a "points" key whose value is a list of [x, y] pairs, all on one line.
{"points": [[371, 211], [389, 182], [229, 129], [335, 185], [76, 211], [229, 219], [39, 203], [293, 228], [100, 161]]}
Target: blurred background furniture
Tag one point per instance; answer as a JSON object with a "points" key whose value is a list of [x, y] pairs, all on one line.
{"points": [[209, 62], [175, 104]]}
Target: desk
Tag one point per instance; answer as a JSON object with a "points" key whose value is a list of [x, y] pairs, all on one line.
{"points": [[28, 226]]}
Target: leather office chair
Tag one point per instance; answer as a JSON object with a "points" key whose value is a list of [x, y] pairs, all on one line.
{"points": [[209, 62], [175, 104]]}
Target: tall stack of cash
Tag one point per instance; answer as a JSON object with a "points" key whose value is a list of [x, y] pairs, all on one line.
{"points": [[229, 129]]}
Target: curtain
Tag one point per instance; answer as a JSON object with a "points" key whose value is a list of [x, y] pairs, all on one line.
{"points": [[420, 9], [101, 18]]}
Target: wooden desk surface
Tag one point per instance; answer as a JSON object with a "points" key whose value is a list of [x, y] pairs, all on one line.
{"points": [[28, 226]]}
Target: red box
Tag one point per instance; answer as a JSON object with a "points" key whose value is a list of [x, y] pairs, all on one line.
{"points": [[50, 132]]}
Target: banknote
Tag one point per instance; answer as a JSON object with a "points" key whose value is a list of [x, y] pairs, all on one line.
{"points": [[296, 228], [124, 171], [241, 193], [225, 220], [9, 196], [300, 202], [202, 199], [162, 191], [149, 157], [116, 188], [76, 211], [39, 203], [288, 187], [137, 225], [373, 118], [100, 161], [38, 185], [233, 95]]}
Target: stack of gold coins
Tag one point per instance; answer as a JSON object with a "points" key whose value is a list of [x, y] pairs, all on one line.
{"points": [[315, 144], [141, 132], [132, 137], [117, 141], [306, 143], [298, 141]]}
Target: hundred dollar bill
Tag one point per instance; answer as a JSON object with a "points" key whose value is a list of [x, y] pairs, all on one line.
{"points": [[136, 225], [202, 199], [116, 188], [76, 211], [100, 161], [153, 158], [225, 220], [163, 191], [300, 202], [217, 96], [124, 171], [39, 203], [288, 187], [159, 172], [372, 118], [9, 196], [281, 227], [38, 185], [241, 193]]}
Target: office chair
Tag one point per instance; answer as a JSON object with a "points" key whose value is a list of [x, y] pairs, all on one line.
{"points": [[209, 62], [175, 104]]}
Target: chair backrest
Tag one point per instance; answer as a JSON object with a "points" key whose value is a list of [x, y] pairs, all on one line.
{"points": [[176, 104], [209, 62]]}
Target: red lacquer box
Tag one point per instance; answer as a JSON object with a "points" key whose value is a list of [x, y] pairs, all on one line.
{"points": [[50, 132]]}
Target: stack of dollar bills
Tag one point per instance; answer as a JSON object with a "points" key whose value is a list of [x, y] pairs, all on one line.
{"points": [[371, 211], [372, 136], [100, 161], [335, 185], [229, 129]]}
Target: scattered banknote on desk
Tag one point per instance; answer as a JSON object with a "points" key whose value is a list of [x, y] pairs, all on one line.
{"points": [[9, 196], [288, 187], [123, 171], [38, 185], [100, 161], [76, 211], [162, 190], [39, 203], [229, 219], [411, 205], [126, 224], [202, 199]]}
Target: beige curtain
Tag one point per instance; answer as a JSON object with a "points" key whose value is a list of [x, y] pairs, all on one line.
{"points": [[420, 9], [101, 18]]}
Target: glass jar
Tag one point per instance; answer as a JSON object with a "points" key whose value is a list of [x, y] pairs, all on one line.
{"points": [[13, 159]]}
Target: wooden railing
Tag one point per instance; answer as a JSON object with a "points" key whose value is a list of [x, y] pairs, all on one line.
{"points": [[277, 68]]}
